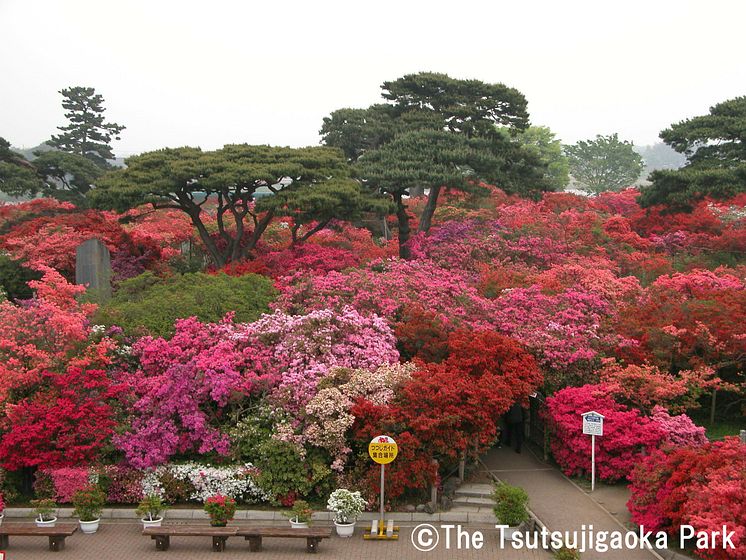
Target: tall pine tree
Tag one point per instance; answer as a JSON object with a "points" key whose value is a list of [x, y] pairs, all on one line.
{"points": [[87, 134]]}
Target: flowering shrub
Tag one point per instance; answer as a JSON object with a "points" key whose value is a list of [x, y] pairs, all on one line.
{"points": [[67, 422], [678, 430], [236, 482], [327, 415], [701, 486], [221, 509], [626, 433], [346, 505], [644, 386]]}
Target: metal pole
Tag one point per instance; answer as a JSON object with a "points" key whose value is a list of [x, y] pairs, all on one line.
{"points": [[593, 463], [381, 523]]}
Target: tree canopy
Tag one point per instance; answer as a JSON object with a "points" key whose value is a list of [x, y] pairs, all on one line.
{"points": [[87, 134], [437, 131], [192, 180], [52, 173], [604, 164], [715, 147], [438, 159], [548, 149], [470, 107]]}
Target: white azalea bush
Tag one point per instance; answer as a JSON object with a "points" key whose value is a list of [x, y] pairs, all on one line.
{"points": [[234, 481], [346, 505]]}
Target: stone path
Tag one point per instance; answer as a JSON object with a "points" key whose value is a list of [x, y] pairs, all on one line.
{"points": [[559, 504]]}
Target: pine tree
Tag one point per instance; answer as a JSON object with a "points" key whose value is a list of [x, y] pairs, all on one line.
{"points": [[87, 134]]}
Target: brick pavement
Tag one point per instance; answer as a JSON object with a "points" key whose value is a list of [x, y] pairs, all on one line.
{"points": [[121, 540], [561, 505]]}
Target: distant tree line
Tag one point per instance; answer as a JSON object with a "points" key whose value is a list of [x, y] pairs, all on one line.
{"points": [[430, 133]]}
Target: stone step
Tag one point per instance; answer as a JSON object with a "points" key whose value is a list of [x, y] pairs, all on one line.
{"points": [[475, 501], [475, 490]]}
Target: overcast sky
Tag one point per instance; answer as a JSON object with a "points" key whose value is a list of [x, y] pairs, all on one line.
{"points": [[210, 72]]}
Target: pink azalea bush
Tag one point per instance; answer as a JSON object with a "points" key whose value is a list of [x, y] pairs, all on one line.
{"points": [[185, 385], [679, 429]]}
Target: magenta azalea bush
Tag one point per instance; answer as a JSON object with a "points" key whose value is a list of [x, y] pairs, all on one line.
{"points": [[627, 433]]}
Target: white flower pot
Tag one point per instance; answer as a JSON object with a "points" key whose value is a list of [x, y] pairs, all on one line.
{"points": [[152, 523], [89, 527], [345, 529], [295, 524], [46, 524]]}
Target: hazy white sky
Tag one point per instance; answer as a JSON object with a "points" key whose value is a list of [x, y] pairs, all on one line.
{"points": [[213, 72]]}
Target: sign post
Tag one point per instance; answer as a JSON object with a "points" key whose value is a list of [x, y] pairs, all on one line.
{"points": [[593, 425], [383, 450]]}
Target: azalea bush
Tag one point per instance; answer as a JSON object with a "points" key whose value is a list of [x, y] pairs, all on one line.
{"points": [[221, 509], [627, 433], [702, 486], [346, 505]]}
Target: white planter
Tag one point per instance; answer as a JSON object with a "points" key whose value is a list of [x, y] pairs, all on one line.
{"points": [[89, 527], [46, 524], [345, 529], [154, 523], [295, 524], [2, 516]]}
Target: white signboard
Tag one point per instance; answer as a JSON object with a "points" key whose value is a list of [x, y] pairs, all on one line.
{"points": [[593, 424]]}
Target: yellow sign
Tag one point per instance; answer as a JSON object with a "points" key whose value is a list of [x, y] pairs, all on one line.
{"points": [[383, 449]]}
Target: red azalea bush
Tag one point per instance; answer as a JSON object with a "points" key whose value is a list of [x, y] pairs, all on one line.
{"points": [[626, 433], [221, 509], [700, 486], [66, 423]]}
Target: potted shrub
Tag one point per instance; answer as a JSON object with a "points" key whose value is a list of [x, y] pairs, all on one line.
{"points": [[511, 507], [88, 503], [2, 509], [347, 507], [150, 510], [221, 509], [299, 515], [44, 510]]}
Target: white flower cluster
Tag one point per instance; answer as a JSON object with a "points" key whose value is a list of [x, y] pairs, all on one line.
{"points": [[237, 481], [347, 506], [98, 329]]}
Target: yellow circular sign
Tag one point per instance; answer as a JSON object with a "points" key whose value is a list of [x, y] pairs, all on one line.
{"points": [[383, 449]]}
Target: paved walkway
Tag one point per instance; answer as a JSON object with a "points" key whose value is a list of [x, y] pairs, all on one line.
{"points": [[560, 504], [122, 540]]}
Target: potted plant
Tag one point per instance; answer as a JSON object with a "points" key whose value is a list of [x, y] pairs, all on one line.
{"points": [[299, 515], [150, 510], [2, 509], [511, 507], [347, 507], [88, 503], [44, 510], [221, 509]]}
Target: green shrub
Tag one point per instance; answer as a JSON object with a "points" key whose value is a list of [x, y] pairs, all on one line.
{"points": [[511, 504], [14, 278], [88, 503], [147, 304], [565, 553]]}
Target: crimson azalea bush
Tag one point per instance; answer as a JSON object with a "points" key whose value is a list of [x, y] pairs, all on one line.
{"points": [[66, 422], [702, 486], [221, 509]]}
